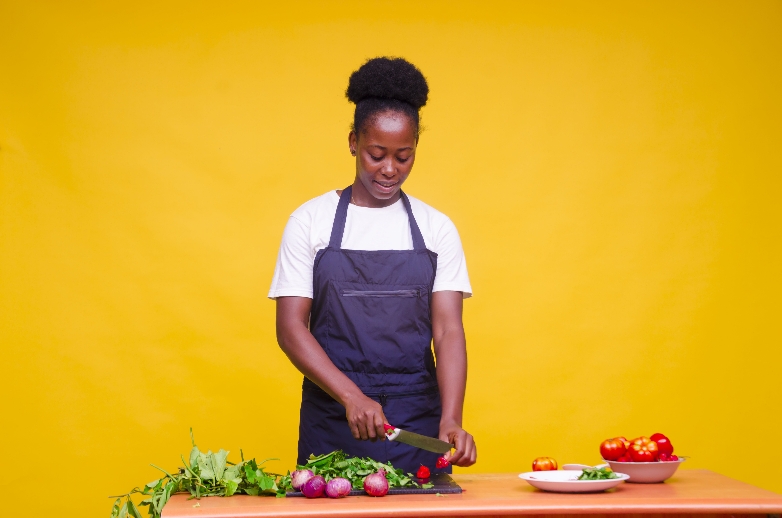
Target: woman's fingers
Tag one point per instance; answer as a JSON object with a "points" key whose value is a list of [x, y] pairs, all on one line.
{"points": [[362, 428], [366, 419], [458, 444], [380, 420], [469, 453], [465, 452], [354, 429]]}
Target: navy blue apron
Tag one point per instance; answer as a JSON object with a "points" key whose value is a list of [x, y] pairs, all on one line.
{"points": [[371, 313]]}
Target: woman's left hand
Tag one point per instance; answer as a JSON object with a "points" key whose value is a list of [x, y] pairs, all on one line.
{"points": [[465, 453]]}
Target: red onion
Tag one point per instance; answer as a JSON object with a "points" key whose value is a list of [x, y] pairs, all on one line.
{"points": [[338, 487], [299, 477], [376, 484], [314, 487]]}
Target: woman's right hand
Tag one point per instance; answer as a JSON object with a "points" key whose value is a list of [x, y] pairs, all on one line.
{"points": [[366, 418]]}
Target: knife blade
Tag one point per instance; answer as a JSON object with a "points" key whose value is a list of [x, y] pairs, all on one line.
{"points": [[417, 440]]}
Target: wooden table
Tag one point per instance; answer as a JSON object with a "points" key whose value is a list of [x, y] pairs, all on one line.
{"points": [[699, 492]]}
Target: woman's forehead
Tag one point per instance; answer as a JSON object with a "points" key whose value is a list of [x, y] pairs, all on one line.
{"points": [[390, 125], [391, 122]]}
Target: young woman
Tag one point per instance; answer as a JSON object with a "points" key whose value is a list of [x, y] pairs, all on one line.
{"points": [[366, 278]]}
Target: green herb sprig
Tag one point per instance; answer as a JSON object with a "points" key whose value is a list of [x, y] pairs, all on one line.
{"points": [[206, 474], [597, 474]]}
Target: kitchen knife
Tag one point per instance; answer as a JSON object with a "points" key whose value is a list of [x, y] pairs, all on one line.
{"points": [[417, 440]]}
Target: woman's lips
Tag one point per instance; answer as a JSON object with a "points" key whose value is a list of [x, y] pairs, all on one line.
{"points": [[386, 188]]}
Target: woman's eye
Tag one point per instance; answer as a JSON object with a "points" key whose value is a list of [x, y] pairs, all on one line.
{"points": [[403, 160], [376, 158]]}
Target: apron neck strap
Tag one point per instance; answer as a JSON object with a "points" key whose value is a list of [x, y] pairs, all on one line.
{"points": [[418, 239], [338, 228]]}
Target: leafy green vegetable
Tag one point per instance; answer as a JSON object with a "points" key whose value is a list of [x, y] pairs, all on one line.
{"points": [[207, 474], [212, 474], [597, 474], [355, 469]]}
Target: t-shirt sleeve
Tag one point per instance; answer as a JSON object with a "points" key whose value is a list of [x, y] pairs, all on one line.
{"points": [[293, 272], [451, 263]]}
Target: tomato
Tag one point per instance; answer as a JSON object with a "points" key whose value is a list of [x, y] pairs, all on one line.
{"points": [[612, 449], [643, 449], [641, 454], [625, 441], [641, 440], [544, 464], [625, 458], [442, 462], [663, 443], [423, 472]]}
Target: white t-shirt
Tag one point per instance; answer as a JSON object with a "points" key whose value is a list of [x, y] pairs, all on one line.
{"points": [[309, 230]]}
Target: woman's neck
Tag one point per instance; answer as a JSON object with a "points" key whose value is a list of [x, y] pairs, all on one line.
{"points": [[360, 197]]}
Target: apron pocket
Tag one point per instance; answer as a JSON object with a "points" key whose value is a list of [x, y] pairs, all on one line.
{"points": [[381, 293], [378, 330]]}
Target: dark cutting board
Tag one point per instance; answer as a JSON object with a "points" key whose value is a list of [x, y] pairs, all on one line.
{"points": [[443, 484]]}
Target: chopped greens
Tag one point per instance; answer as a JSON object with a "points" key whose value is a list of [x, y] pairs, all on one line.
{"points": [[355, 469], [597, 474]]}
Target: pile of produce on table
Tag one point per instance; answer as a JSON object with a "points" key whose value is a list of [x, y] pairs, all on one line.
{"points": [[642, 449], [212, 474], [336, 473], [657, 448]]}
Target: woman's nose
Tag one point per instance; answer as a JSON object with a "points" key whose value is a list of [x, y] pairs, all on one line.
{"points": [[388, 167]]}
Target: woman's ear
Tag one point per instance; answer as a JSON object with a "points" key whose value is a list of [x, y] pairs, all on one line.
{"points": [[352, 142]]}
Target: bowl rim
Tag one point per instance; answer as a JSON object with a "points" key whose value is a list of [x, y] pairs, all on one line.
{"points": [[655, 463]]}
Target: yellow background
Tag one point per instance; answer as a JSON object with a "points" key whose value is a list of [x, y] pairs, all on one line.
{"points": [[613, 169]]}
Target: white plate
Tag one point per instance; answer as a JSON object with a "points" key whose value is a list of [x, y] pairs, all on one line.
{"points": [[567, 481]]}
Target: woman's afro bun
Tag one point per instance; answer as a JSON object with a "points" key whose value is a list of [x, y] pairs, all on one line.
{"points": [[388, 78]]}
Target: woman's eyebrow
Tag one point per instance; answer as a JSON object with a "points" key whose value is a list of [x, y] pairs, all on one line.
{"points": [[406, 148]]}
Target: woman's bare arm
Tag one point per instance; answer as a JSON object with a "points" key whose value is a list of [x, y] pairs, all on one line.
{"points": [[450, 348], [365, 416]]}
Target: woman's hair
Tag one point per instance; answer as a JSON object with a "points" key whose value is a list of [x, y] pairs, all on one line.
{"points": [[383, 84]]}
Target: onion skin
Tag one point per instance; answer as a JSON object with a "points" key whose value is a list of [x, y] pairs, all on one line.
{"points": [[314, 487], [376, 484], [299, 477], [338, 487]]}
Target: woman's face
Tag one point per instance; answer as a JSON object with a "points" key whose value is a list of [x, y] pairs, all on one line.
{"points": [[385, 152]]}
